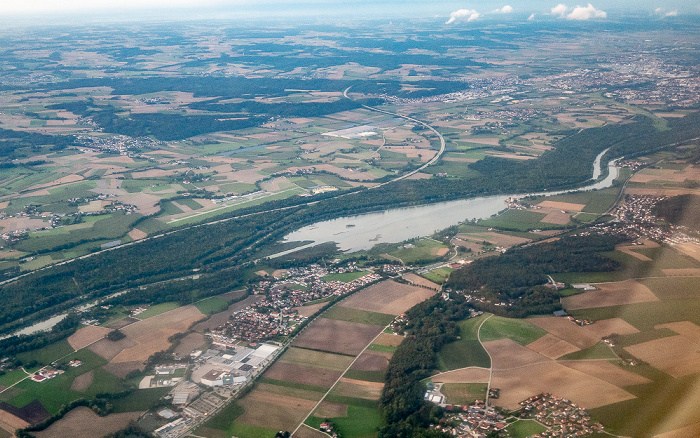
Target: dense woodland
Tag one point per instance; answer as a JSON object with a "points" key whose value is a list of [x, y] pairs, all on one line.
{"points": [[517, 276], [431, 325]]}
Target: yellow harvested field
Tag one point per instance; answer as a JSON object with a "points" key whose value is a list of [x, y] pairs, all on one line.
{"points": [[420, 281], [610, 294], [646, 175], [82, 422], [684, 328], [358, 389], [682, 272], [552, 347], [562, 205], [281, 412], [556, 217], [151, 335], [465, 375], [607, 371], [676, 355], [309, 310], [683, 432], [86, 336], [583, 337], [11, 422], [506, 354], [137, 234], [82, 382], [388, 339], [661, 192], [388, 297], [331, 410], [585, 390]]}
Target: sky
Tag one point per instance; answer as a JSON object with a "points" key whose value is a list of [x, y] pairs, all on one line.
{"points": [[456, 11]]}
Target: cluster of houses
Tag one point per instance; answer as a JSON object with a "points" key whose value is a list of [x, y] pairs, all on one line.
{"points": [[563, 418], [45, 374], [276, 314], [474, 421]]}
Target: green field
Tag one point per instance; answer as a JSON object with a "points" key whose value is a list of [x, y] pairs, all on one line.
{"points": [[368, 376], [438, 275], [212, 305], [12, 377], [466, 351], [140, 400], [464, 393], [382, 348], [222, 420], [525, 428], [644, 316], [345, 277], [597, 351], [47, 354], [519, 330], [418, 251], [673, 288], [520, 220], [595, 201], [157, 310], [361, 316], [56, 392], [293, 385], [361, 422]]}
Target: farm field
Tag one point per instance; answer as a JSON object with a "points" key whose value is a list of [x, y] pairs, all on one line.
{"points": [[83, 423], [388, 297]]}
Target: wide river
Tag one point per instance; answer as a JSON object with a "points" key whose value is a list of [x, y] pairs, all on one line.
{"points": [[354, 233]]}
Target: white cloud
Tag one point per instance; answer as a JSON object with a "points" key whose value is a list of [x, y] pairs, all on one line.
{"points": [[664, 13], [531, 17], [507, 9], [658, 10], [470, 15], [586, 13], [672, 13], [560, 10]]}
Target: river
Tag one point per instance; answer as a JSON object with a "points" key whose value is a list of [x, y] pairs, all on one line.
{"points": [[355, 233], [360, 232]]}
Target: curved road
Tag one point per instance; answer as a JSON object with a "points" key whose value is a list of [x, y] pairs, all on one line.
{"points": [[435, 131]]}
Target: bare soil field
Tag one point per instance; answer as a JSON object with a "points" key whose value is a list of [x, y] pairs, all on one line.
{"points": [[583, 337], [317, 359], [151, 335], [81, 422], [289, 392], [675, 355], [189, 343], [86, 336], [137, 234], [587, 391], [506, 353], [302, 374], [607, 371], [466, 375], [497, 239], [660, 192], [282, 413], [684, 328], [337, 336], [82, 382], [555, 217], [331, 410], [647, 175], [388, 297], [684, 432], [11, 422], [682, 272], [109, 349], [358, 389], [309, 310], [309, 432], [121, 369], [562, 205], [387, 339], [629, 250], [420, 281], [552, 346], [372, 361], [610, 294]]}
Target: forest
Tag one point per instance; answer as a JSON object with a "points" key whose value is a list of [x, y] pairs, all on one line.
{"points": [[517, 277]]}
